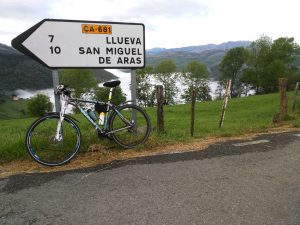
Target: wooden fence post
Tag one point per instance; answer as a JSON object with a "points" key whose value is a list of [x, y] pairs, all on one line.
{"points": [[295, 96], [226, 95], [160, 109], [283, 98], [193, 112]]}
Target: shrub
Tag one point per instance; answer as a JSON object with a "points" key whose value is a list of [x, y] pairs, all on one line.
{"points": [[39, 104], [101, 94]]}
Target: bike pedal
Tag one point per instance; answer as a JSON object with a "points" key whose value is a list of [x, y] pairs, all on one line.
{"points": [[103, 135]]}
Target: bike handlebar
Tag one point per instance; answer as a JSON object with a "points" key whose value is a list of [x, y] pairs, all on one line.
{"points": [[63, 89]]}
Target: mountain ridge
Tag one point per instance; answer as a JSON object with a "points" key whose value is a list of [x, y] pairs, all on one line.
{"points": [[200, 48], [210, 54], [17, 71]]}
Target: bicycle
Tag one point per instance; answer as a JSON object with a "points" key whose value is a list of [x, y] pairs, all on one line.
{"points": [[55, 138]]}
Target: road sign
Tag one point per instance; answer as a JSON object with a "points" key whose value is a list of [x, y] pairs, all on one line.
{"points": [[84, 44]]}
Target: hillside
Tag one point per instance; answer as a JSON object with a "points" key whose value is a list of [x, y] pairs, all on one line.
{"points": [[13, 109], [18, 71], [200, 48], [210, 54]]}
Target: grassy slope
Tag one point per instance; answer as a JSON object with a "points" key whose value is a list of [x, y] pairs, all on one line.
{"points": [[13, 109], [244, 115]]}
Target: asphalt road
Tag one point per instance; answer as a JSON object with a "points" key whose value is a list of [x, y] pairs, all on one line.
{"points": [[234, 183]]}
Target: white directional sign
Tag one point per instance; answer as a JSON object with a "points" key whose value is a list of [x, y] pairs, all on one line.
{"points": [[84, 44]]}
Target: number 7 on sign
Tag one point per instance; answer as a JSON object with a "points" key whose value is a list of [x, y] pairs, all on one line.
{"points": [[55, 49], [51, 36]]}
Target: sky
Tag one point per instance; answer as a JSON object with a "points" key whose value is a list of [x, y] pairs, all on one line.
{"points": [[168, 23]]}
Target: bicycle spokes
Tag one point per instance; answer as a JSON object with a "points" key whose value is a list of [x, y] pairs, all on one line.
{"points": [[52, 141], [130, 126]]}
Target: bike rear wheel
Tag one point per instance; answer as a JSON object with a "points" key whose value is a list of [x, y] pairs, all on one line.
{"points": [[130, 127], [43, 145]]}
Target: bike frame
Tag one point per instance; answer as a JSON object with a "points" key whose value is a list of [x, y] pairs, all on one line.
{"points": [[66, 100]]}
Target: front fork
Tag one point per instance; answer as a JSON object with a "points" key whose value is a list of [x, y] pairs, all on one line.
{"points": [[63, 106]]}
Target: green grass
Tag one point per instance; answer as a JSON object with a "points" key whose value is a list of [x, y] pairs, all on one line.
{"points": [[243, 115], [254, 113], [13, 109]]}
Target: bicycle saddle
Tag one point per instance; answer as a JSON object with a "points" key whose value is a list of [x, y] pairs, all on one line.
{"points": [[112, 84]]}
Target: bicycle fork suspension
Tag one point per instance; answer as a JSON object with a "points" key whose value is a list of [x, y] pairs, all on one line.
{"points": [[58, 134]]}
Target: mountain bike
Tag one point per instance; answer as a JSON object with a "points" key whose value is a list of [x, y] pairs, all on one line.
{"points": [[55, 138]]}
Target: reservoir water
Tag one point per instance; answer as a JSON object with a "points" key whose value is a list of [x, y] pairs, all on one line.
{"points": [[125, 85]]}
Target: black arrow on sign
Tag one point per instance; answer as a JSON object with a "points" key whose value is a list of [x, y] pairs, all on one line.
{"points": [[17, 42]]}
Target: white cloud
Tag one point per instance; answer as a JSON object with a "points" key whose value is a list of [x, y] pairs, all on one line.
{"points": [[24, 10], [168, 23], [128, 10], [170, 9]]}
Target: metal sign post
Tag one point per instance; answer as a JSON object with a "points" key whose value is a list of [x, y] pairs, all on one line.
{"points": [[133, 93], [133, 85]]}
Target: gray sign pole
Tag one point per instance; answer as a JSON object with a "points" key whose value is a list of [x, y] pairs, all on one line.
{"points": [[133, 86], [55, 83], [133, 94]]}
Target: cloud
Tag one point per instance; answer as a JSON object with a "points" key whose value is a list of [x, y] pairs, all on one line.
{"points": [[130, 10], [24, 10], [176, 8], [6, 32], [169, 23]]}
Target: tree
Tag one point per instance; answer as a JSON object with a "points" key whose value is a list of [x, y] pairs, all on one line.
{"points": [[81, 80], [285, 49], [165, 73], [144, 87], [101, 94], [259, 58], [39, 104], [219, 92], [231, 68], [284, 55], [195, 77], [268, 61]]}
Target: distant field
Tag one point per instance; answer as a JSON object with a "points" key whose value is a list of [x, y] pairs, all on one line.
{"points": [[13, 109], [244, 115]]}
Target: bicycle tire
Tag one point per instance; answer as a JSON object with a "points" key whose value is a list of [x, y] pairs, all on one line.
{"points": [[133, 136], [44, 148]]}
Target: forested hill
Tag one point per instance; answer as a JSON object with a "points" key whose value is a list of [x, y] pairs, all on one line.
{"points": [[18, 71], [210, 54]]}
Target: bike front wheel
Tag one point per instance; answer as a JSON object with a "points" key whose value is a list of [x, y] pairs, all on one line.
{"points": [[130, 126], [51, 146]]}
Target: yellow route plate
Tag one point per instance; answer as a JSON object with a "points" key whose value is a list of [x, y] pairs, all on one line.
{"points": [[96, 29]]}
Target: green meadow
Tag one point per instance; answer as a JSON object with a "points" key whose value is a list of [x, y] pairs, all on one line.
{"points": [[244, 115]]}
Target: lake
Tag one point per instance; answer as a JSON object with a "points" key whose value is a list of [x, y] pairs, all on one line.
{"points": [[125, 85]]}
